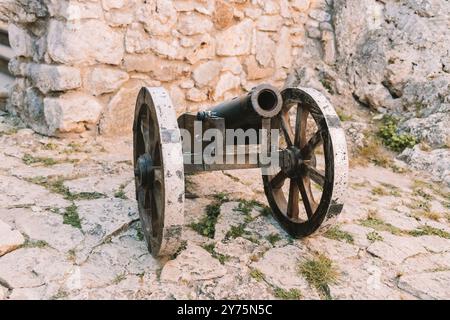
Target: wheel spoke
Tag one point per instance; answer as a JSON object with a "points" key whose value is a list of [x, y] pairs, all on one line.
{"points": [[307, 198], [278, 181], [286, 128], [292, 209], [316, 175], [301, 123], [312, 144]]}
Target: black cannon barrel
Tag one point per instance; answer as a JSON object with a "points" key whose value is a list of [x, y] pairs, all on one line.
{"points": [[245, 112]]}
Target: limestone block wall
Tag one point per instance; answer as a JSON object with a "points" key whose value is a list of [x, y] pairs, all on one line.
{"points": [[80, 64]]}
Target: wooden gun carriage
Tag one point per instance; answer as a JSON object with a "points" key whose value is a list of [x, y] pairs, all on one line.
{"points": [[304, 188]]}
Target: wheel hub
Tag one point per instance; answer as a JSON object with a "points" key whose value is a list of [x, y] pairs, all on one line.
{"points": [[144, 169], [290, 161]]}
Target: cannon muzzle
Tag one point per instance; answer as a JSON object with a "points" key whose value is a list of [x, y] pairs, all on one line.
{"points": [[245, 112]]}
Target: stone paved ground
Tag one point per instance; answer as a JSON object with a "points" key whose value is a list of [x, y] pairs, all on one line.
{"points": [[69, 230]]}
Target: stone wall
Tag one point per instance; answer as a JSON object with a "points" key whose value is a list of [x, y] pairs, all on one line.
{"points": [[79, 64]]}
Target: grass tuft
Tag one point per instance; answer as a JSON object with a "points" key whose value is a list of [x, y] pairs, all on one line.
{"points": [[273, 238], [291, 294], [210, 247], [207, 225], [374, 237], [388, 133], [429, 231], [71, 217], [120, 193], [337, 234], [257, 275], [320, 272]]}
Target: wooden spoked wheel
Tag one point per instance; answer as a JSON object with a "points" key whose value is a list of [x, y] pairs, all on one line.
{"points": [[159, 172], [306, 192]]}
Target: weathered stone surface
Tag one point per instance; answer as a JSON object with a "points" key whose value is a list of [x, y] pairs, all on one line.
{"points": [[193, 264], [196, 95], [427, 285], [48, 227], [18, 193], [203, 6], [206, 73], [284, 48], [280, 269], [103, 80], [105, 184], [231, 64], [367, 281], [436, 162], [223, 15], [396, 249], [111, 261], [399, 220], [235, 40], [103, 217], [335, 250], [254, 71], [264, 48], [3, 292], [20, 41], [192, 24], [158, 17], [53, 78], [426, 263], [32, 267], [229, 217], [119, 113], [227, 82], [71, 112], [74, 10], [105, 45], [300, 5], [269, 23], [9, 239]]}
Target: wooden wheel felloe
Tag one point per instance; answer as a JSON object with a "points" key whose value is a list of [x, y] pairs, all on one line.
{"points": [[306, 194], [159, 172]]}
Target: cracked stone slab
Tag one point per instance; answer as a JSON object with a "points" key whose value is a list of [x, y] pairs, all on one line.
{"points": [[130, 287], [18, 193], [426, 263], [280, 269], [235, 286], [193, 264], [48, 226], [32, 267], [9, 239], [105, 184], [238, 249], [398, 220], [435, 244], [262, 227], [211, 183], [3, 292], [49, 291], [335, 250], [103, 217], [58, 170], [433, 285], [364, 280], [111, 261], [359, 234], [8, 163], [229, 217], [395, 249]]}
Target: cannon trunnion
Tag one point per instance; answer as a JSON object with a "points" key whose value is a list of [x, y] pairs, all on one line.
{"points": [[294, 136]]}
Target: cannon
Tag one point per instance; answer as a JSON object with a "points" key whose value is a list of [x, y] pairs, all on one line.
{"points": [[296, 140]]}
